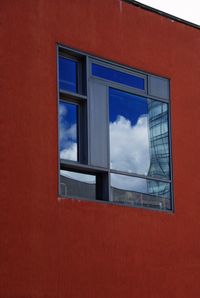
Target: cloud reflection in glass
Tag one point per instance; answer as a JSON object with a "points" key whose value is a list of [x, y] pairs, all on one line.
{"points": [[129, 140], [68, 136], [139, 142]]}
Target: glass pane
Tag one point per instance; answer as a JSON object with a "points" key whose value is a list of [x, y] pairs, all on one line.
{"points": [[67, 74], [68, 136], [77, 185], [140, 192], [117, 76], [138, 134]]}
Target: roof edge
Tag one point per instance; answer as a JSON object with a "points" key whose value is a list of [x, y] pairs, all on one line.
{"points": [[162, 13]]}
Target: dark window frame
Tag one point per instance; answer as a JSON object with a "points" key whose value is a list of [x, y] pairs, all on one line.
{"points": [[83, 99]]}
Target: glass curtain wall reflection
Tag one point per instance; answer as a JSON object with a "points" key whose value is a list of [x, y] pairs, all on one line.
{"points": [[159, 147]]}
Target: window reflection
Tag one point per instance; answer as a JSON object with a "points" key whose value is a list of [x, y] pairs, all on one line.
{"points": [[67, 74], [68, 136], [78, 185], [138, 134], [117, 76], [158, 139], [141, 192], [159, 146], [129, 135]]}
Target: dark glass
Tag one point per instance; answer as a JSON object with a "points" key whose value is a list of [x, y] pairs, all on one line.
{"points": [[138, 134], [77, 185], [67, 74], [117, 76], [68, 132], [140, 192]]}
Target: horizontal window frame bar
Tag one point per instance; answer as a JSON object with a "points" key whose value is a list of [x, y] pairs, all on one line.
{"points": [[127, 89], [119, 86], [159, 99], [63, 94], [112, 171], [66, 54], [70, 101], [79, 167]]}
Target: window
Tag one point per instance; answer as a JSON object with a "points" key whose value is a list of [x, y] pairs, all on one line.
{"points": [[114, 142]]}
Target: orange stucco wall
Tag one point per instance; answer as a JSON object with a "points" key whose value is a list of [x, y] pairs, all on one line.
{"points": [[53, 248]]}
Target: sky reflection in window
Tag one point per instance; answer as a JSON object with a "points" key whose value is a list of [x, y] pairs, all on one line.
{"points": [[68, 137], [117, 76], [133, 146], [67, 75]]}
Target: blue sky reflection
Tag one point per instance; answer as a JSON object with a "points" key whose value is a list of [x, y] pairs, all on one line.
{"points": [[117, 76], [67, 74], [129, 132]]}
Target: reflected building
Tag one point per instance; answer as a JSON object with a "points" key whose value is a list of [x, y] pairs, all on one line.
{"points": [[159, 148], [73, 187], [138, 198]]}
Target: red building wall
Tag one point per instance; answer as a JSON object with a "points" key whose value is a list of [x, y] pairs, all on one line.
{"points": [[69, 248]]}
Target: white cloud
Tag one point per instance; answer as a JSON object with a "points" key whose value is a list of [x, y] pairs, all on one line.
{"points": [[130, 152], [71, 132], [67, 136], [130, 145], [70, 153], [62, 110]]}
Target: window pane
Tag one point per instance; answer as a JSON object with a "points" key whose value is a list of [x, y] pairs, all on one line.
{"points": [[140, 192], [117, 76], [138, 134], [68, 136], [77, 185], [67, 74]]}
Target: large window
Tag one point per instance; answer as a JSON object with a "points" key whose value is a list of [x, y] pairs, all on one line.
{"points": [[114, 126]]}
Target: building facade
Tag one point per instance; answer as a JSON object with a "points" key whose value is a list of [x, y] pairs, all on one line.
{"points": [[78, 217]]}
